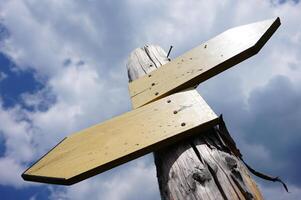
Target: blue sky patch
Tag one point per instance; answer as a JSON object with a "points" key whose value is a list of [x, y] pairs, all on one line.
{"points": [[10, 193], [15, 83]]}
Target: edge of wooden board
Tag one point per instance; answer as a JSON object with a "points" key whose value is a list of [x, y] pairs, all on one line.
{"points": [[122, 160]]}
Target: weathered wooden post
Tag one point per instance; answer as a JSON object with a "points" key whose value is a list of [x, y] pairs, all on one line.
{"points": [[198, 168], [196, 157]]}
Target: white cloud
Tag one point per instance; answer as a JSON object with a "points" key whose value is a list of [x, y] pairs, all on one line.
{"points": [[10, 172], [17, 134], [130, 181], [78, 50], [277, 193], [2, 76], [256, 152]]}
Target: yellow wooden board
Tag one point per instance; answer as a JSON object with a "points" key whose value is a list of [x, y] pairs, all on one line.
{"points": [[203, 62], [123, 138]]}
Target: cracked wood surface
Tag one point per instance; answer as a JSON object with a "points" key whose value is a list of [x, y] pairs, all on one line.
{"points": [[202, 167]]}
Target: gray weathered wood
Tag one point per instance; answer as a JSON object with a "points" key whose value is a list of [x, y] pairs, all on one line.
{"points": [[199, 168]]}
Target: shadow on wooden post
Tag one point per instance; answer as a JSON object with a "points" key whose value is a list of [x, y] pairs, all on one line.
{"points": [[198, 168]]}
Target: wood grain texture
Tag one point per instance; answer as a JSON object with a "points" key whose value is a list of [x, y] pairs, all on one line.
{"points": [[201, 167], [199, 64], [123, 138]]}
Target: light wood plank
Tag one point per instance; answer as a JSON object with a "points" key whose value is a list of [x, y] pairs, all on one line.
{"points": [[123, 138], [203, 62]]}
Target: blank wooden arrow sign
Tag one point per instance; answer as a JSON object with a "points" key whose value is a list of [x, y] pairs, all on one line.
{"points": [[123, 138], [203, 62], [162, 122]]}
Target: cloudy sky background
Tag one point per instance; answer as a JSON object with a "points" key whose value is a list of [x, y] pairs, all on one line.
{"points": [[62, 68]]}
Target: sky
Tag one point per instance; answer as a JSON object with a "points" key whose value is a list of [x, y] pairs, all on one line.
{"points": [[63, 68]]}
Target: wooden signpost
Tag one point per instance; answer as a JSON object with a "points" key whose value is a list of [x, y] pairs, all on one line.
{"points": [[167, 110]]}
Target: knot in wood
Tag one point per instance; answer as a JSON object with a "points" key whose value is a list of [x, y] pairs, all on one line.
{"points": [[201, 176], [231, 162]]}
